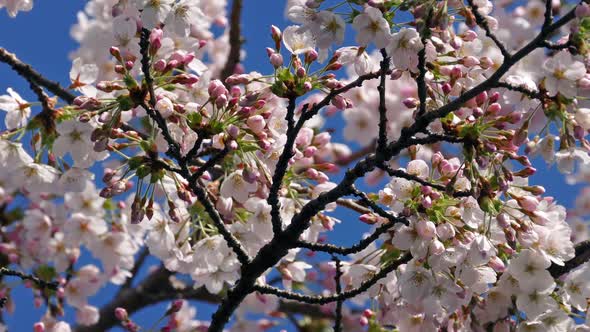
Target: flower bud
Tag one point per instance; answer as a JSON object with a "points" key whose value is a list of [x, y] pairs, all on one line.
{"points": [[256, 123], [410, 102], [121, 314], [469, 35], [436, 247], [426, 229], [39, 327], [160, 65], [276, 60], [497, 264], [155, 40]]}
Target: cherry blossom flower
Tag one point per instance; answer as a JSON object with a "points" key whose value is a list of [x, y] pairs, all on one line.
{"points": [[236, 187], [371, 27], [183, 13], [404, 48], [154, 12], [18, 109], [562, 71], [298, 40], [14, 6]]}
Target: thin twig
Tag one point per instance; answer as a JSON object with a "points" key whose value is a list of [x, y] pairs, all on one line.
{"points": [[483, 23], [53, 285], [235, 41], [32, 76], [338, 313]]}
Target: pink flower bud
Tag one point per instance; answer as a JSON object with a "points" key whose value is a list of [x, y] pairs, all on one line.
{"points": [[156, 40], [481, 98], [456, 72], [276, 60], [160, 65], [426, 229], [436, 247], [410, 102], [485, 62], [256, 123], [311, 56], [427, 202], [396, 74], [445, 231], [39, 327], [221, 101], [582, 10], [497, 264], [301, 72], [446, 88], [339, 102], [494, 97], [584, 83], [528, 203], [470, 61], [363, 321], [494, 108], [309, 151], [503, 220], [176, 306], [121, 314], [275, 33], [368, 218], [469, 35]]}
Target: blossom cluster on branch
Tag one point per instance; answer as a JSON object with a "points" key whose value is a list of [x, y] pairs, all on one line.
{"points": [[165, 145]]}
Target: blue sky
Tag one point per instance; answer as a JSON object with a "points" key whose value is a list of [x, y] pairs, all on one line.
{"points": [[41, 38]]}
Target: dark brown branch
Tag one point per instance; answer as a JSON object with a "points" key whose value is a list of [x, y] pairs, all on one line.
{"points": [[174, 152], [421, 80], [384, 68], [156, 288], [32, 76], [582, 256], [53, 285], [522, 89], [312, 299], [548, 15], [281, 168], [338, 313], [138, 263], [235, 40], [208, 164], [483, 23]]}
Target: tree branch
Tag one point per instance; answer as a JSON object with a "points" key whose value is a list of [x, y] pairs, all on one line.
{"points": [[53, 285], [311, 299], [235, 40], [382, 138], [483, 23], [32, 76], [582, 256]]}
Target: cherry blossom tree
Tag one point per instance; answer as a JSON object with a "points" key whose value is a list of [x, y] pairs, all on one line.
{"points": [[165, 145]]}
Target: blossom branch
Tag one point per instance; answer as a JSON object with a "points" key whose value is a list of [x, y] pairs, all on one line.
{"points": [[382, 138], [53, 285], [338, 315], [32, 76], [314, 299], [582, 256], [483, 23], [522, 89], [548, 15], [174, 151], [281, 168], [235, 40]]}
